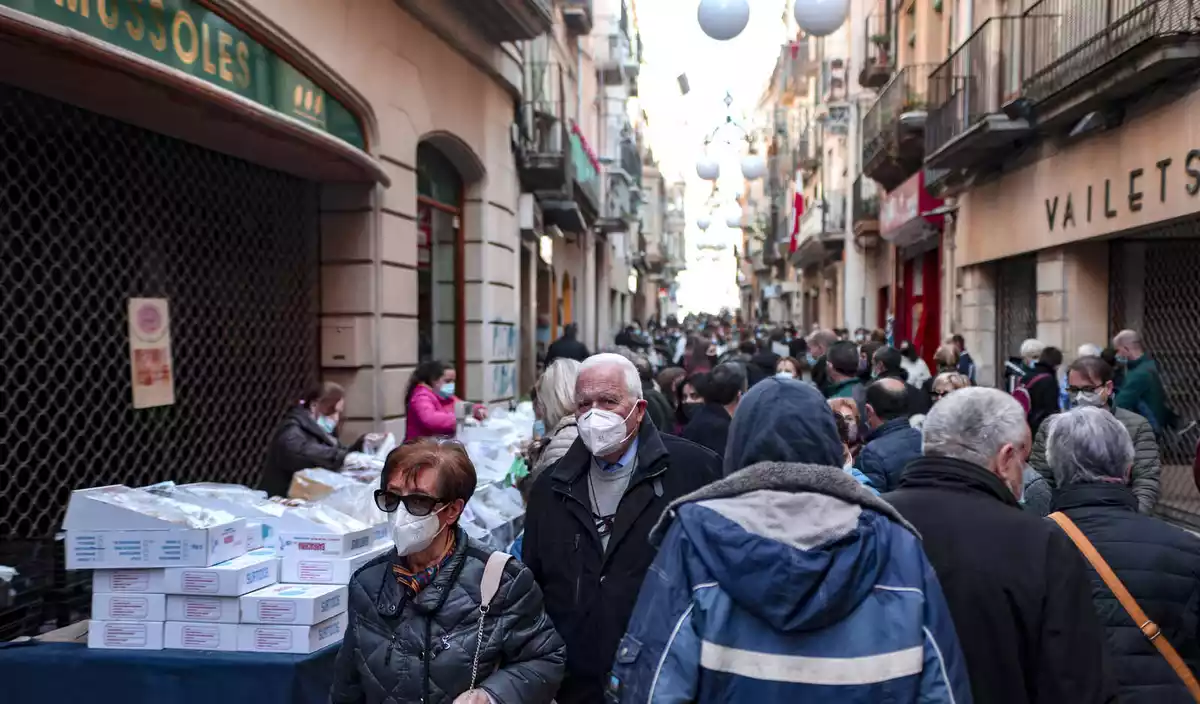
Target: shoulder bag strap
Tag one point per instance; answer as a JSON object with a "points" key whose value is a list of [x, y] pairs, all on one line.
{"points": [[1148, 627], [493, 571]]}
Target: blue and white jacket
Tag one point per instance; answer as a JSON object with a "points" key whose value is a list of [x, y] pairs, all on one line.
{"points": [[789, 583]]}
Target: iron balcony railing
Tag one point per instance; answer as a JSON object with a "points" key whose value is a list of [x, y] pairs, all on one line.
{"points": [[908, 91], [1066, 40], [865, 205], [877, 38], [827, 216], [979, 78]]}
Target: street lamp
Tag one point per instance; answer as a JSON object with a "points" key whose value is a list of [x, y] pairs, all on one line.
{"points": [[708, 169], [703, 222], [723, 19], [820, 18], [754, 166]]}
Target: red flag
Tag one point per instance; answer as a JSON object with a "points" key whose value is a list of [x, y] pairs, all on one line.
{"points": [[797, 213]]}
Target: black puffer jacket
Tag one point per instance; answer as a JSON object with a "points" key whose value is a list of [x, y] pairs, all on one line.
{"points": [[399, 650], [1160, 566], [299, 443]]}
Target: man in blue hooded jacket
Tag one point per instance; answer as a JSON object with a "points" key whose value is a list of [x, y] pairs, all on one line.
{"points": [[746, 602]]}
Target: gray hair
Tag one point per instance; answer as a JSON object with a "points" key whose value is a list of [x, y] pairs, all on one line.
{"points": [[556, 391], [1087, 349], [1032, 349], [633, 382], [1088, 445], [972, 425]]}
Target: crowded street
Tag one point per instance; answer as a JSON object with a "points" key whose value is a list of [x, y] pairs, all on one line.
{"points": [[599, 351]]}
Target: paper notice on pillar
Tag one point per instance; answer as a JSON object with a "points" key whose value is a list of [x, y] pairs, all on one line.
{"points": [[150, 353]]}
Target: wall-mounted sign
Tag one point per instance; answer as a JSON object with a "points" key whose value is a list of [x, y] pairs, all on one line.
{"points": [[1132, 192], [900, 212], [150, 352], [187, 36]]}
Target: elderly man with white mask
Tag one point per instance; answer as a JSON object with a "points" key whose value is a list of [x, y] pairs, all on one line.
{"points": [[1017, 588], [589, 517]]}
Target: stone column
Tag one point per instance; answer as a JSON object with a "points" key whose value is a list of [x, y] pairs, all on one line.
{"points": [[979, 321]]}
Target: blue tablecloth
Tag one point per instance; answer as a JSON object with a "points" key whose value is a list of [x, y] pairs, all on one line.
{"points": [[67, 672]]}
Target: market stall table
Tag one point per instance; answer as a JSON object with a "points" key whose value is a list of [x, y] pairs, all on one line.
{"points": [[35, 672]]}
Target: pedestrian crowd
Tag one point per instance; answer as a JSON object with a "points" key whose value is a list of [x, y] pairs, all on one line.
{"points": [[754, 516]]}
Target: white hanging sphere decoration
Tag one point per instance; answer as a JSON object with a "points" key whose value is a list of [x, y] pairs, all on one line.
{"points": [[703, 223], [754, 167], [734, 221], [820, 18], [708, 169], [723, 19]]}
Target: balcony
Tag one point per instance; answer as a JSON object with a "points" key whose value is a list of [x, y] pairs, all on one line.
{"points": [[617, 59], [894, 127], [878, 54], [577, 16], [556, 165], [508, 20], [967, 127], [1081, 55], [865, 210], [822, 230], [621, 202]]}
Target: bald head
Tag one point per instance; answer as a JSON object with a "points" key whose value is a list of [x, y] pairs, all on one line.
{"points": [[887, 399], [1128, 343]]}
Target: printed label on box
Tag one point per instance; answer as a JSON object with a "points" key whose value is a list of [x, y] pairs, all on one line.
{"points": [[315, 571], [273, 639], [125, 635], [201, 582], [202, 608], [129, 608], [129, 581], [276, 611], [202, 637]]}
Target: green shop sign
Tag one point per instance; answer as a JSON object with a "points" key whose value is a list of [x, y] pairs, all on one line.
{"points": [[185, 35]]}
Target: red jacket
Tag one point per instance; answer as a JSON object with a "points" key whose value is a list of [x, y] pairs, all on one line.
{"points": [[430, 415]]}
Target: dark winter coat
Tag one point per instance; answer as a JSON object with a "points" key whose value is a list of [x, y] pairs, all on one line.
{"points": [[1142, 391], [566, 348], [1017, 587], [403, 649], [1042, 383], [761, 366], [1160, 566], [658, 407], [298, 443], [590, 593], [709, 427], [887, 451]]}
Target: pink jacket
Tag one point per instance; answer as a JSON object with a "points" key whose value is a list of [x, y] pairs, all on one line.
{"points": [[429, 415]]}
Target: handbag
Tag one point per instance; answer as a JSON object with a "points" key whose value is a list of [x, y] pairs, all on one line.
{"points": [[489, 585], [1149, 628]]}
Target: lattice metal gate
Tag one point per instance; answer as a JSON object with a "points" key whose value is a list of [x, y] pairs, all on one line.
{"points": [[94, 211], [1154, 289], [1016, 308]]}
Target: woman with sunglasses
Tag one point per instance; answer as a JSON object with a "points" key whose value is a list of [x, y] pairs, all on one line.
{"points": [[419, 630]]}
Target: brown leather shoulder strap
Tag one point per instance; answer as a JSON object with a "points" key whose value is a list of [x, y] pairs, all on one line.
{"points": [[1149, 628]]}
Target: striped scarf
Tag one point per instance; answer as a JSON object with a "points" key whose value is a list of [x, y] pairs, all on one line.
{"points": [[416, 581]]}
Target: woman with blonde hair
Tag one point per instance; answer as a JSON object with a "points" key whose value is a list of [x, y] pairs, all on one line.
{"points": [[556, 403]]}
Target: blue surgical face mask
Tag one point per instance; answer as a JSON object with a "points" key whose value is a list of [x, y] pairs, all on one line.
{"points": [[784, 375], [811, 359], [327, 423], [446, 390], [539, 428], [1122, 359]]}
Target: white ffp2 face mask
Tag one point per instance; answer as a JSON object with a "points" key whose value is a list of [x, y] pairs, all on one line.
{"points": [[414, 533], [602, 432]]}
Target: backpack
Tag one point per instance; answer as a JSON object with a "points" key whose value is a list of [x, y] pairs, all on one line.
{"points": [[1021, 392]]}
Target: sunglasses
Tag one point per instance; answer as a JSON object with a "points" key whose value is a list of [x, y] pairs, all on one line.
{"points": [[416, 504]]}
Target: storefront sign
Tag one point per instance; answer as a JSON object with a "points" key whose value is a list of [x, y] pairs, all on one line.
{"points": [[150, 352], [901, 209], [1140, 188], [187, 36]]}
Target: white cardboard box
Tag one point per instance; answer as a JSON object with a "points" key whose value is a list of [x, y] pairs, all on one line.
{"points": [[102, 535], [129, 607], [241, 575], [200, 636], [319, 569], [256, 535], [126, 635], [294, 604], [263, 638], [147, 581], [293, 542], [205, 609]]}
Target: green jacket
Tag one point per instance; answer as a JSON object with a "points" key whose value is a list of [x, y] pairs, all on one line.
{"points": [[844, 389], [1142, 391], [1146, 469]]}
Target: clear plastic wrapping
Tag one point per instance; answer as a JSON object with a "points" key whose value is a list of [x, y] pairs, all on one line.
{"points": [[163, 507]]}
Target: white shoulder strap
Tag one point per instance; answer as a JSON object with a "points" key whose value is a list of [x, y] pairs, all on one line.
{"points": [[492, 573]]}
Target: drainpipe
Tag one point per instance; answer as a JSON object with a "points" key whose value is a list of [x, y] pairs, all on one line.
{"points": [[579, 84]]}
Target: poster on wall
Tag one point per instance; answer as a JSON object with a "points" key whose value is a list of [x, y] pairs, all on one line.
{"points": [[150, 353]]}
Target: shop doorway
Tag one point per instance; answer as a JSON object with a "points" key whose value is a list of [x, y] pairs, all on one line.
{"points": [[918, 303], [441, 300]]}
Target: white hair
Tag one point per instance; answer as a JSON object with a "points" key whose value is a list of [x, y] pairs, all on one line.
{"points": [[1088, 445], [972, 425], [633, 382], [1032, 349], [1087, 349], [556, 391]]}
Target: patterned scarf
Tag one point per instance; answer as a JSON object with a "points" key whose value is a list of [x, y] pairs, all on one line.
{"points": [[419, 580]]}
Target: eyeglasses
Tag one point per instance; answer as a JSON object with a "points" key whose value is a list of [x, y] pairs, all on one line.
{"points": [[1084, 389], [416, 504]]}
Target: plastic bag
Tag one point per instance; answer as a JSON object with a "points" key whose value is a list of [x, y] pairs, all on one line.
{"points": [[163, 507], [358, 502], [379, 447]]}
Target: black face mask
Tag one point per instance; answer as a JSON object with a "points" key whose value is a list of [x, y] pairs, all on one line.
{"points": [[690, 409]]}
